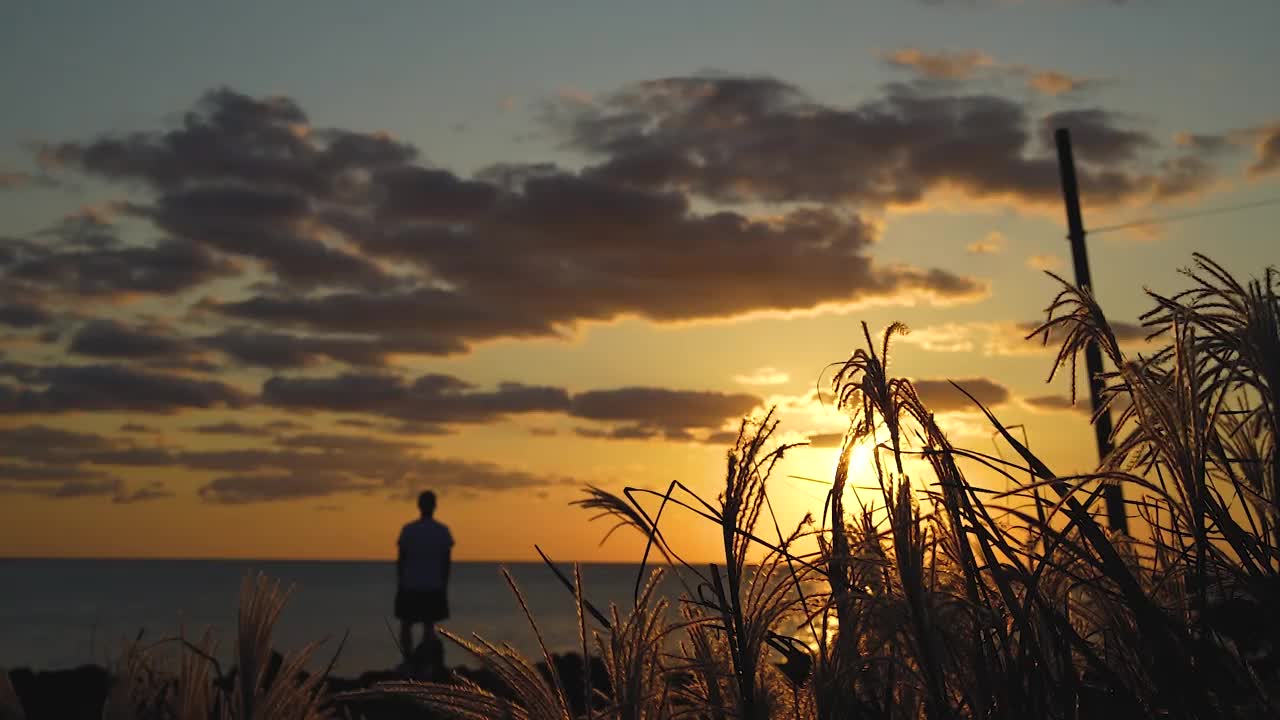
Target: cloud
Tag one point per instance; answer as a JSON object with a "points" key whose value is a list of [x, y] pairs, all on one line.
{"points": [[23, 315], [265, 224], [965, 65], [429, 398], [285, 350], [234, 427], [991, 244], [1266, 151], [735, 139], [1052, 82], [51, 472], [661, 408], [23, 181], [62, 463], [1097, 135], [948, 337], [826, 440], [67, 388], [241, 489], [1055, 403], [940, 65], [940, 396], [110, 339], [624, 432], [166, 267], [763, 376], [1004, 338], [153, 491], [347, 233], [233, 138], [1044, 262], [637, 412], [569, 249]]}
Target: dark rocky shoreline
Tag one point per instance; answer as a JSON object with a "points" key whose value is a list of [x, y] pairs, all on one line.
{"points": [[80, 692]]}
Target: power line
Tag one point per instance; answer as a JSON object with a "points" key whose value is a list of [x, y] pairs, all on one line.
{"points": [[1185, 216]]}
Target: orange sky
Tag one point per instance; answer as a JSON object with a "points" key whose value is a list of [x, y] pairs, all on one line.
{"points": [[256, 292]]}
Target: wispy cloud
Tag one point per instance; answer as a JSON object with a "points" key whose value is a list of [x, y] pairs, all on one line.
{"points": [[941, 65], [992, 244], [1044, 262], [763, 376]]}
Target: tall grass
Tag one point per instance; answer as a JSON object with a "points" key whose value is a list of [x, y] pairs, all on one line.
{"points": [[938, 598], [262, 686]]}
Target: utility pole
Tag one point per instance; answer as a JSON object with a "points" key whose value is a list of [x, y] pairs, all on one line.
{"points": [[1112, 493]]}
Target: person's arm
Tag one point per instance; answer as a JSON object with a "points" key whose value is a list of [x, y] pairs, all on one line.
{"points": [[448, 563], [399, 562]]}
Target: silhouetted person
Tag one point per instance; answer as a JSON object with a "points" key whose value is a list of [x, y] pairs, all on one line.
{"points": [[422, 574]]}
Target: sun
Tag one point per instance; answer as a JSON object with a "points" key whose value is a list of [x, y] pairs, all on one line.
{"points": [[862, 464]]}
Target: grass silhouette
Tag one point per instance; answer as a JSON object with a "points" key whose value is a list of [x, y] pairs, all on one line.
{"points": [[941, 599]]}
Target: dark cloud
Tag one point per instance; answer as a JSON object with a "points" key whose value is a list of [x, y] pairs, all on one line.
{"points": [[48, 445], [67, 388], [132, 427], [283, 350], [110, 339], [518, 251], [241, 489], [35, 476], [335, 442], [648, 408], [1183, 176], [60, 463], [625, 432], [82, 488], [826, 440], [734, 139], [234, 138], [11, 473], [569, 249], [722, 437], [435, 473], [23, 315], [940, 396], [164, 268], [1060, 403], [445, 473], [153, 491], [429, 398], [1097, 135], [428, 194], [234, 427], [268, 225]]}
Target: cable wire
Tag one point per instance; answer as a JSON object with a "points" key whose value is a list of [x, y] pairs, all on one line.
{"points": [[1185, 216]]}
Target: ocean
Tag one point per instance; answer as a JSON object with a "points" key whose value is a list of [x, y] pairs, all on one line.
{"points": [[63, 613]]}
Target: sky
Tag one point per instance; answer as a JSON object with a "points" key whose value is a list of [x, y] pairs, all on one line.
{"points": [[269, 270]]}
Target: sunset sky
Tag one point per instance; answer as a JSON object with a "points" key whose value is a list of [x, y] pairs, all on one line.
{"points": [[266, 272]]}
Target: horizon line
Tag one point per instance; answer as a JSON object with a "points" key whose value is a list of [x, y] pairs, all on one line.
{"points": [[172, 558]]}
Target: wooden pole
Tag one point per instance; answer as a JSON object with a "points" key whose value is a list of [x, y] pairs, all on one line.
{"points": [[1112, 493]]}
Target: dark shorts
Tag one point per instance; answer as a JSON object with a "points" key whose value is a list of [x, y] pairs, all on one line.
{"points": [[428, 606]]}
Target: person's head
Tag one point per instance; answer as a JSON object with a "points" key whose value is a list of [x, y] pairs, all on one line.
{"points": [[427, 503]]}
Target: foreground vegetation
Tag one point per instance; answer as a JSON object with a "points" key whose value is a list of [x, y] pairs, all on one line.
{"points": [[944, 600], [940, 599]]}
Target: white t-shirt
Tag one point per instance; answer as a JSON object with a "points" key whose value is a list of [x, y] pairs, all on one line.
{"points": [[424, 544]]}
